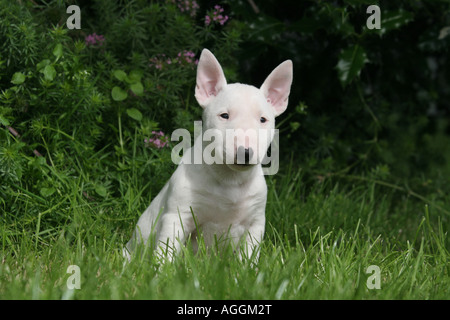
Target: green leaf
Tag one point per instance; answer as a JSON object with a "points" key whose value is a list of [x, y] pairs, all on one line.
{"points": [[135, 114], [122, 166], [4, 121], [18, 78], [49, 73], [339, 19], [47, 192], [58, 51], [135, 76], [391, 20], [42, 64], [351, 61], [294, 125], [137, 88], [120, 75], [118, 94], [120, 152], [100, 190]]}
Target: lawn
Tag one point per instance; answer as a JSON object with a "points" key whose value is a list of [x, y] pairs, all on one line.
{"points": [[319, 244]]}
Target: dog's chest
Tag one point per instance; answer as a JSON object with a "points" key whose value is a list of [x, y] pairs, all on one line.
{"points": [[224, 204], [226, 215], [223, 207], [218, 204]]}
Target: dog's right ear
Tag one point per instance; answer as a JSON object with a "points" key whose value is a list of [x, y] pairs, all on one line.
{"points": [[277, 86], [210, 78]]}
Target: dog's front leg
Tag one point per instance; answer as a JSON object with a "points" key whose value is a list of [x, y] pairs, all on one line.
{"points": [[173, 232], [253, 240]]}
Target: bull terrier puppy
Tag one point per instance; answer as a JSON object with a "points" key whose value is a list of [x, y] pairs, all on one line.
{"points": [[224, 199]]}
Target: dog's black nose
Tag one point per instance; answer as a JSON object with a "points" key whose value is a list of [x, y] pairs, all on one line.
{"points": [[244, 155]]}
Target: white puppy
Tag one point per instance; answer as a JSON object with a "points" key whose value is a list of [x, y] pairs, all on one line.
{"points": [[224, 200]]}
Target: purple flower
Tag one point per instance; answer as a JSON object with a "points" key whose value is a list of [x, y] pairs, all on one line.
{"points": [[94, 40], [184, 57], [216, 16], [159, 140], [187, 6], [207, 20], [223, 20]]}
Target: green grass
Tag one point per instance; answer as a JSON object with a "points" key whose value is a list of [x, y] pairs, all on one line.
{"points": [[319, 243]]}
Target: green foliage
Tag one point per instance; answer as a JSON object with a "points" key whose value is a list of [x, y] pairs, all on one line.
{"points": [[133, 81], [87, 104], [372, 95], [351, 61]]}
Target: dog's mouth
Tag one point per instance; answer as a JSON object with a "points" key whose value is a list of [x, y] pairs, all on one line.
{"points": [[244, 156], [244, 164], [241, 167], [242, 159]]}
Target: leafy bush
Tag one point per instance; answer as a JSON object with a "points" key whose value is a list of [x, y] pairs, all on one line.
{"points": [[375, 97], [84, 105]]}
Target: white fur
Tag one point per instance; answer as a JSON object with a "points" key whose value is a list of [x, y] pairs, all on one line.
{"points": [[227, 200]]}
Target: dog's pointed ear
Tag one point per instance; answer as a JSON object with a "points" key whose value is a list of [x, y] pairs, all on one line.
{"points": [[277, 86], [210, 78]]}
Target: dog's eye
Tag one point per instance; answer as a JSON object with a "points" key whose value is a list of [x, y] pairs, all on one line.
{"points": [[225, 115], [263, 120]]}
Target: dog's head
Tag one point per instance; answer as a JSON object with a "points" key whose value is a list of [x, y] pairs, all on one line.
{"points": [[242, 115]]}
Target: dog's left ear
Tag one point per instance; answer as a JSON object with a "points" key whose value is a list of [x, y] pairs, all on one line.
{"points": [[277, 86]]}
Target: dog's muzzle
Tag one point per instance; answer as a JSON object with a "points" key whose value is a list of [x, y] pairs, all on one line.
{"points": [[244, 155]]}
